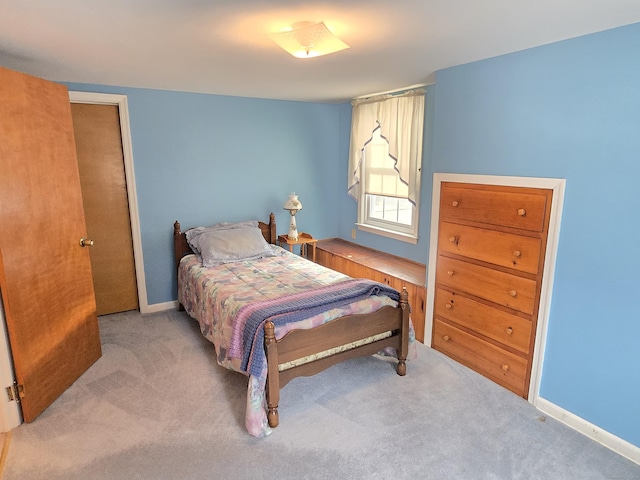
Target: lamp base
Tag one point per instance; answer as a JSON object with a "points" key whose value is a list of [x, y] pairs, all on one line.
{"points": [[293, 229]]}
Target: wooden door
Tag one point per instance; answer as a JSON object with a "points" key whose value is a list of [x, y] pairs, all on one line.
{"points": [[45, 274], [106, 205]]}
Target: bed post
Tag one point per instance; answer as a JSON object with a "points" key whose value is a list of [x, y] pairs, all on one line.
{"points": [[273, 379], [177, 250], [177, 254], [404, 336], [272, 228]]}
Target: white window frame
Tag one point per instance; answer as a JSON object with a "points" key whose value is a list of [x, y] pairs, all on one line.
{"points": [[396, 230]]}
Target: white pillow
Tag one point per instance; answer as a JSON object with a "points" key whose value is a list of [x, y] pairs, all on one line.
{"points": [[225, 245], [193, 233]]}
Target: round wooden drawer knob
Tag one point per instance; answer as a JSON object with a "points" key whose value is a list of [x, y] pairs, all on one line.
{"points": [[453, 240], [509, 330], [505, 367], [522, 212], [455, 203], [450, 273], [448, 306], [513, 293], [445, 338], [517, 254]]}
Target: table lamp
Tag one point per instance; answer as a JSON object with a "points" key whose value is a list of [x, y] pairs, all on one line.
{"points": [[293, 205]]}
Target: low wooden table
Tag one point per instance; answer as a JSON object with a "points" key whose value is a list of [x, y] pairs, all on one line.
{"points": [[358, 261], [304, 240]]}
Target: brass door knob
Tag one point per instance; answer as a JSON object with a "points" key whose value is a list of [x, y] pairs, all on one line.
{"points": [[85, 242]]}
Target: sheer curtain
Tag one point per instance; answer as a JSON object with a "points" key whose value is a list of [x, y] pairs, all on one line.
{"points": [[400, 119]]}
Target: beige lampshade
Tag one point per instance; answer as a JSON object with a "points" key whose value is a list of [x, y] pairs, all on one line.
{"points": [[308, 39], [293, 203]]}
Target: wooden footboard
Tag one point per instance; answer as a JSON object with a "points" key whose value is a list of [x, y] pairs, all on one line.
{"points": [[328, 338]]}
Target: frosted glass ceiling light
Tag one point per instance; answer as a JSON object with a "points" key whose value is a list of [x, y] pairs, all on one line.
{"points": [[308, 39]]}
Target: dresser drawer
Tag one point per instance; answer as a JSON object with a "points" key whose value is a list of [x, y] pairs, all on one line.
{"points": [[505, 249], [502, 367], [498, 325], [498, 287], [503, 206]]}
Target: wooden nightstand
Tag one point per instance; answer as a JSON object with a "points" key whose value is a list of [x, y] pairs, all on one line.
{"points": [[304, 240]]}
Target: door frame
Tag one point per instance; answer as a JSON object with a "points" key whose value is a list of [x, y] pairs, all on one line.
{"points": [[10, 412], [125, 130], [557, 185]]}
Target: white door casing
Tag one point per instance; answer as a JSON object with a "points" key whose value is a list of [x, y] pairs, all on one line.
{"points": [[10, 413]]}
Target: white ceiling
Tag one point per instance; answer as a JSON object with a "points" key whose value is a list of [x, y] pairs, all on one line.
{"points": [[221, 47]]}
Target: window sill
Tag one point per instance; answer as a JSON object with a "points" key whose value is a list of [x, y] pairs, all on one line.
{"points": [[403, 237]]}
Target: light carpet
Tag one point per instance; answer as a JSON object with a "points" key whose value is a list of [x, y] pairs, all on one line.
{"points": [[157, 406]]}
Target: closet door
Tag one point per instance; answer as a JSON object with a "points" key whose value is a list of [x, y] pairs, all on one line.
{"points": [[106, 206], [45, 273]]}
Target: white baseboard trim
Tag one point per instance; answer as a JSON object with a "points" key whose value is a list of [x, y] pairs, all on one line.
{"points": [[159, 307], [604, 438]]}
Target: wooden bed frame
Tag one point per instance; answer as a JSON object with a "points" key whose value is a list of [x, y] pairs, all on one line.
{"points": [[299, 344]]}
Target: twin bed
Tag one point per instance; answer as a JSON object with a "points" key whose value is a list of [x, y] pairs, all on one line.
{"points": [[275, 316]]}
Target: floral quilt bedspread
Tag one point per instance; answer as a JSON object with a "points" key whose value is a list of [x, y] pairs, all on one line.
{"points": [[214, 295]]}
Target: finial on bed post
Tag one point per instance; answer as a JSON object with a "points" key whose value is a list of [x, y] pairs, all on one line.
{"points": [[176, 227], [273, 378], [404, 340]]}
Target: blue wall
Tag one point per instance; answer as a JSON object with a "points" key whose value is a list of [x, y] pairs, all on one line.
{"points": [[568, 110], [202, 159]]}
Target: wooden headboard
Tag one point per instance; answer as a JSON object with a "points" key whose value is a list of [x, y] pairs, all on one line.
{"points": [[182, 248]]}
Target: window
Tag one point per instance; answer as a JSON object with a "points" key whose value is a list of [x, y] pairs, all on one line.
{"points": [[385, 163], [385, 196]]}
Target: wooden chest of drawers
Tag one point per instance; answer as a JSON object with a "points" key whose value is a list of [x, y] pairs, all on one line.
{"points": [[362, 262], [491, 250]]}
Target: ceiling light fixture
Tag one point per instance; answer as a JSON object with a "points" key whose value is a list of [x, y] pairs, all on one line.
{"points": [[308, 39]]}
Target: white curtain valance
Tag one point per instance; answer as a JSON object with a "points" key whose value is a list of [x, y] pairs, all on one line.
{"points": [[401, 122]]}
